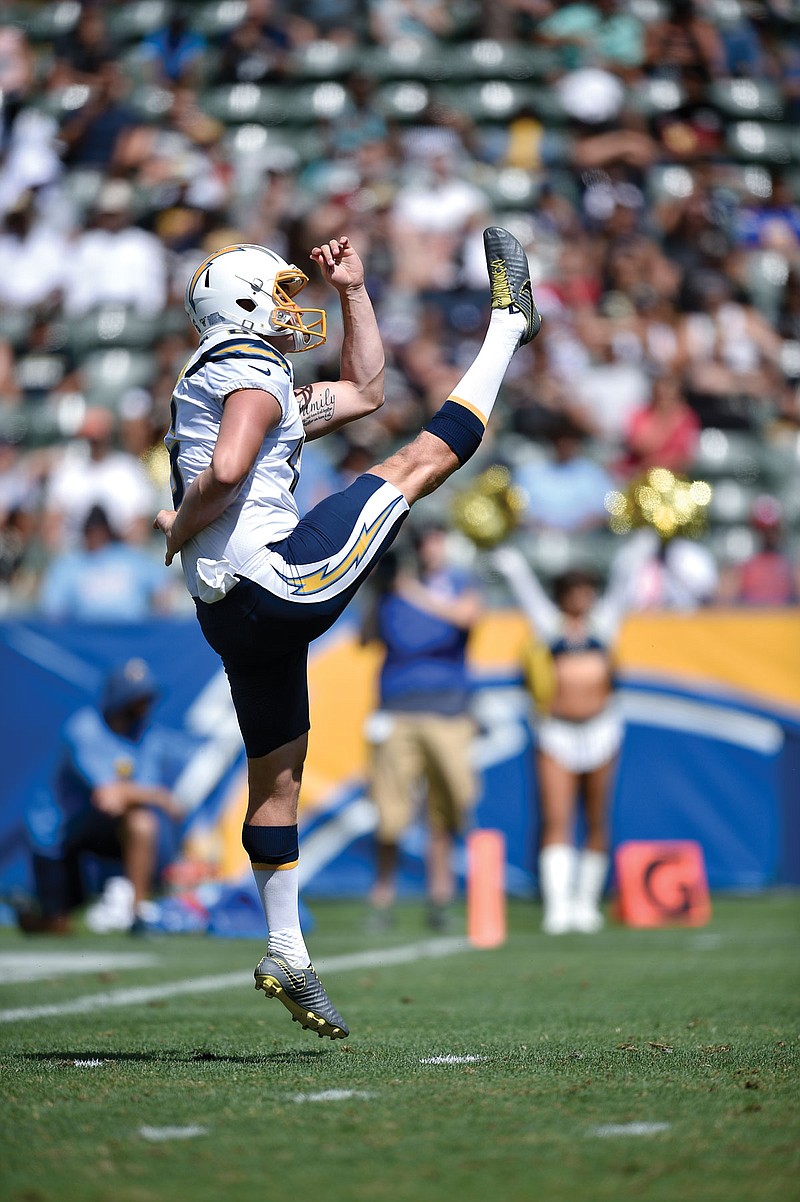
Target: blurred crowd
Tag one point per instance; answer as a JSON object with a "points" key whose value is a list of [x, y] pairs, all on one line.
{"points": [[645, 152]]}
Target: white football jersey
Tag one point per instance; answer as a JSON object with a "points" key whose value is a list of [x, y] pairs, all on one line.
{"points": [[264, 510]]}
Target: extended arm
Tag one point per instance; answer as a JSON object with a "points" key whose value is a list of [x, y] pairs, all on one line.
{"points": [[534, 602], [620, 594], [331, 404], [248, 416], [462, 611]]}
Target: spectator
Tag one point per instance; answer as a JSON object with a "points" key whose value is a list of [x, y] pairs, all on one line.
{"points": [[769, 577], [106, 581], [175, 51], [391, 21], [600, 33], [422, 732], [664, 433], [430, 219], [111, 797], [93, 136], [91, 472], [115, 261], [81, 54], [33, 258], [569, 491]]}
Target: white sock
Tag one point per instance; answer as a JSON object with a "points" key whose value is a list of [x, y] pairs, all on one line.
{"points": [[592, 871], [478, 387], [557, 863], [278, 888]]}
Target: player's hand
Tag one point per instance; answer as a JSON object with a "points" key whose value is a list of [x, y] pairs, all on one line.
{"points": [[165, 520], [339, 264]]}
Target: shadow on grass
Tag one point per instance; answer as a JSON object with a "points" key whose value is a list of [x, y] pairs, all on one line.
{"points": [[174, 1056]]}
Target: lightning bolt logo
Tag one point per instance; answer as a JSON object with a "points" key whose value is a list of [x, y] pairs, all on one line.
{"points": [[326, 575]]}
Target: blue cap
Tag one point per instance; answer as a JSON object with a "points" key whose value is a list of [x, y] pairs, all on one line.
{"points": [[132, 681]]}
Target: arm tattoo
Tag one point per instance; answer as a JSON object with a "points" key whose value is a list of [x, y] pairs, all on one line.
{"points": [[316, 408]]}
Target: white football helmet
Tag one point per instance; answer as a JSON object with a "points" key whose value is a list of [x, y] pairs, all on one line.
{"points": [[253, 288]]}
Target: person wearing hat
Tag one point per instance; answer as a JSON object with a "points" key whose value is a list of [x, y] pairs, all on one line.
{"points": [[109, 797]]}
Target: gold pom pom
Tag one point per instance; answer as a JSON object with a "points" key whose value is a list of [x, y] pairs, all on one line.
{"points": [[670, 504], [489, 508]]}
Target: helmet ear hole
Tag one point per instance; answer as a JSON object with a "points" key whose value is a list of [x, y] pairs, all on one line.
{"points": [[247, 304]]}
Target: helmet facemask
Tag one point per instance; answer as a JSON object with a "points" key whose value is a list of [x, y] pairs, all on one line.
{"points": [[254, 291]]}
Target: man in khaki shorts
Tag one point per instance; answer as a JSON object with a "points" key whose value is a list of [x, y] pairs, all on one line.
{"points": [[422, 733]]}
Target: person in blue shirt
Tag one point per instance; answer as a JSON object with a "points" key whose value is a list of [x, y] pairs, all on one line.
{"points": [[106, 581], [422, 733], [110, 796]]}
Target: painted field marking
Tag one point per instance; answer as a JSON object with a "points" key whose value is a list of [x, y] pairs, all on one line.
{"points": [[452, 1059], [158, 1135], [379, 958], [18, 967], [623, 1129], [87, 1063], [332, 1095], [706, 942]]}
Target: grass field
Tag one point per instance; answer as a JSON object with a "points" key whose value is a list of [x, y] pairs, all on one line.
{"points": [[632, 1064]]}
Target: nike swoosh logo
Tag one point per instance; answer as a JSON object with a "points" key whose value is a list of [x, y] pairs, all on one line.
{"points": [[295, 980]]}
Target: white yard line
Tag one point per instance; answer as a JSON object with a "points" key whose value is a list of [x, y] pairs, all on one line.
{"points": [[379, 958], [332, 1095], [17, 967], [158, 1135], [452, 1059], [623, 1129]]}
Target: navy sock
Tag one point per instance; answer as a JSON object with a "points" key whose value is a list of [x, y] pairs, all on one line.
{"points": [[271, 846], [459, 427]]}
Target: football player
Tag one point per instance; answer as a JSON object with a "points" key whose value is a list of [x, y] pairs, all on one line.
{"points": [[265, 581]]}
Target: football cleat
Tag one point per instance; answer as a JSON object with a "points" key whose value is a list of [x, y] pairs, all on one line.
{"points": [[303, 995], [509, 279]]}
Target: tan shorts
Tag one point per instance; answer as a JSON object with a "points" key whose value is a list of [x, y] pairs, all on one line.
{"points": [[421, 749]]}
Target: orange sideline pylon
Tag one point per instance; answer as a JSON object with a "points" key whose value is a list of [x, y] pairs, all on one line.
{"points": [[486, 888], [662, 884]]}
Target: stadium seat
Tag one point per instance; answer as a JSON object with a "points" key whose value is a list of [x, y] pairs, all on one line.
{"points": [[323, 60], [15, 325], [491, 59], [402, 101], [217, 18], [653, 96], [136, 19], [150, 102], [509, 188], [406, 59], [315, 102], [109, 374], [233, 103], [730, 453], [731, 544], [46, 22], [40, 372], [767, 272], [730, 503], [762, 142], [112, 325], [491, 100], [745, 98]]}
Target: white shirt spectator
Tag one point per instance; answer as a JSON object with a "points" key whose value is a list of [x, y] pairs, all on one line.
{"points": [[117, 482], [125, 267], [31, 266]]}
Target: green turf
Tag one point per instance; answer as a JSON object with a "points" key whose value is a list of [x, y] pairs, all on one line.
{"points": [[696, 1029]]}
